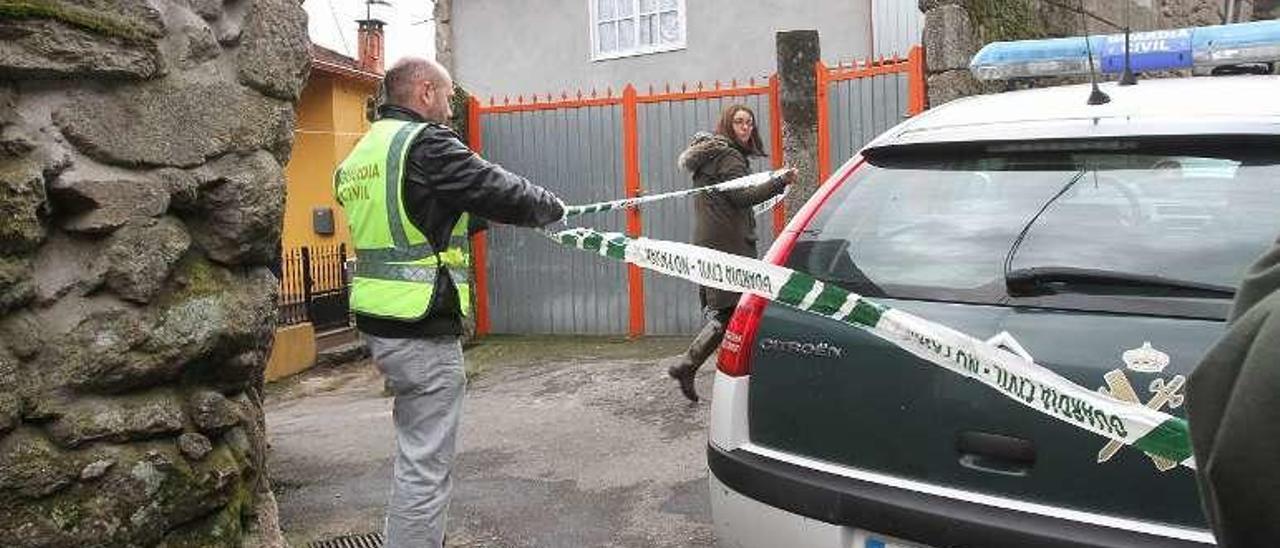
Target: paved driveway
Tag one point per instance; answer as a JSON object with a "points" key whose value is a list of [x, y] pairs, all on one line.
{"points": [[564, 443]]}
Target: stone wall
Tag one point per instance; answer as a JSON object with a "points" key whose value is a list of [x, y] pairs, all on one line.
{"points": [[956, 29], [141, 193]]}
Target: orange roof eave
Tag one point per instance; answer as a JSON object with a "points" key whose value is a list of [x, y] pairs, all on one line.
{"points": [[345, 72]]}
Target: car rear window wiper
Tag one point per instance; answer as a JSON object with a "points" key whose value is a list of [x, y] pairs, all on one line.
{"points": [[1044, 280]]}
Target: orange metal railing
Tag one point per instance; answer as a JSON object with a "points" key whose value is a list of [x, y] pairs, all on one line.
{"points": [[632, 185]]}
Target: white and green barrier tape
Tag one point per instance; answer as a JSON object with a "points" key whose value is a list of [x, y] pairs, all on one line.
{"points": [[769, 204], [749, 181], [1016, 377]]}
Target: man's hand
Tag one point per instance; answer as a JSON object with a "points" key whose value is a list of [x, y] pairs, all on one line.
{"points": [[564, 211]]}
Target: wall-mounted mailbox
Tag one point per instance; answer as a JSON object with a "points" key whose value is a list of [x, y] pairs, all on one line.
{"points": [[322, 220]]}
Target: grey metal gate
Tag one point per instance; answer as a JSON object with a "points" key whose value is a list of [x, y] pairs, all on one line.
{"points": [[536, 286], [862, 108]]}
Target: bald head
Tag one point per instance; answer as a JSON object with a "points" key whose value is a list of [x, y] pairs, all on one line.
{"points": [[421, 85]]}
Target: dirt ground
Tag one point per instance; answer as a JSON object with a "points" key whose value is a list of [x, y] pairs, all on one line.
{"points": [[564, 442]]}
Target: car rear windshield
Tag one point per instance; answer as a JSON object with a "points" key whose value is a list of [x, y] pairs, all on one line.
{"points": [[941, 225]]}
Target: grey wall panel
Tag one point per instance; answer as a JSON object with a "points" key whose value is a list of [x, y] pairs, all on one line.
{"points": [[862, 109], [866, 101], [519, 46], [904, 97], [535, 285], [665, 128]]}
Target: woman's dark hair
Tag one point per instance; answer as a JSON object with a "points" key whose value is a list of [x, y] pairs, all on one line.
{"points": [[754, 146]]}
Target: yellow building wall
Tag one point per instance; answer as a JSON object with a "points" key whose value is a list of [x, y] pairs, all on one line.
{"points": [[293, 351], [330, 119], [349, 122]]}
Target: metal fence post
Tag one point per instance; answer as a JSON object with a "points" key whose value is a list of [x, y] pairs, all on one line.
{"points": [[631, 166], [344, 275], [282, 294], [775, 150], [479, 240], [917, 94], [821, 73], [306, 281]]}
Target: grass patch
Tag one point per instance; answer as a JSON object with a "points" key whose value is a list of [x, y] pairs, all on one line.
{"points": [[77, 16], [513, 350], [1001, 20], [491, 352]]}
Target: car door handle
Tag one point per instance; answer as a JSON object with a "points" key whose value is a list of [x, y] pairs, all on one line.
{"points": [[995, 453]]}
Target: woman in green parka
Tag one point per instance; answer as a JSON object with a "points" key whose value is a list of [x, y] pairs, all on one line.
{"points": [[1233, 406], [722, 220]]}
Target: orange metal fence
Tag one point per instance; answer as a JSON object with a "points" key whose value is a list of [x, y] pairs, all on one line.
{"points": [[912, 67]]}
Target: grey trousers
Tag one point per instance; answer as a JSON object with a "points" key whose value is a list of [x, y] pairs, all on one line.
{"points": [[428, 382]]}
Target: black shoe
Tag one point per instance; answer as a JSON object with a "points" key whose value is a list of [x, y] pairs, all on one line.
{"points": [[683, 373]]}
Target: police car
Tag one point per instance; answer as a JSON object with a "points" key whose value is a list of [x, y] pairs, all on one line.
{"points": [[1100, 234]]}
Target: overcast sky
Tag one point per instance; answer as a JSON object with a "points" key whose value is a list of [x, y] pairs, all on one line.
{"points": [[332, 24]]}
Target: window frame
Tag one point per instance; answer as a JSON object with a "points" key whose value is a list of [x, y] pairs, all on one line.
{"points": [[596, 55]]}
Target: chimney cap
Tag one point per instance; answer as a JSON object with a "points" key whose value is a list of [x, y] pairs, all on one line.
{"points": [[371, 51]]}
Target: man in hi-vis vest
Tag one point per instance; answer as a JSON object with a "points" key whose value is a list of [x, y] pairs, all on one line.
{"points": [[407, 189]]}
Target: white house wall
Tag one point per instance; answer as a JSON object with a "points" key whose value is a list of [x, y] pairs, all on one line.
{"points": [[544, 46]]}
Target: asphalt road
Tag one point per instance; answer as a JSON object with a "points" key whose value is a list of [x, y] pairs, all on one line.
{"points": [[563, 444]]}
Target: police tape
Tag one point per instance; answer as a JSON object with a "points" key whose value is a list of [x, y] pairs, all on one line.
{"points": [[1018, 378], [749, 181], [771, 202]]}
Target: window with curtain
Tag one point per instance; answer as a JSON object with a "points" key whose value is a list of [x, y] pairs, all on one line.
{"points": [[622, 28]]}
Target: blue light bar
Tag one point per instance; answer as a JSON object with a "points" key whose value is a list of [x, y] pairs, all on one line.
{"points": [[1257, 42], [1199, 47], [1029, 58], [1154, 50]]}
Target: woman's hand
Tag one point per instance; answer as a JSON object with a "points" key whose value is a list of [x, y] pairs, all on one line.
{"points": [[789, 175]]}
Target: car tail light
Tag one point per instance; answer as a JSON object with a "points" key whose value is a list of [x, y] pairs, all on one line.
{"points": [[740, 334]]}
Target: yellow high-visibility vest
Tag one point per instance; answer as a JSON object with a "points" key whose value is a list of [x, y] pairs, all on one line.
{"points": [[396, 265]]}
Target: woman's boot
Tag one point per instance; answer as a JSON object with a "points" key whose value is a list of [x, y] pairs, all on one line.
{"points": [[705, 344]]}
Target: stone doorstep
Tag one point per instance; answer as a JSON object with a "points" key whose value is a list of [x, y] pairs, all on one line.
{"points": [[342, 355], [331, 338]]}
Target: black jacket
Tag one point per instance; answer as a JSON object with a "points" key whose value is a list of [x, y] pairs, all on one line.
{"points": [[445, 178], [1233, 405]]}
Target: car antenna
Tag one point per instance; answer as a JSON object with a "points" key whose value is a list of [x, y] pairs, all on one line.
{"points": [[1096, 97], [1128, 78]]}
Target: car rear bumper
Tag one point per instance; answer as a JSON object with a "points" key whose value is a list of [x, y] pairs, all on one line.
{"points": [[743, 522], [819, 508]]}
